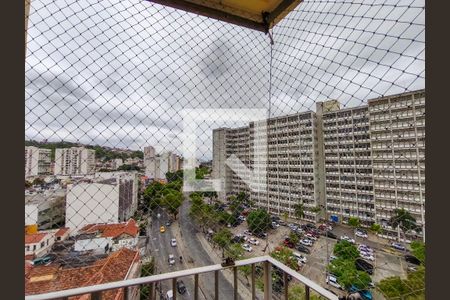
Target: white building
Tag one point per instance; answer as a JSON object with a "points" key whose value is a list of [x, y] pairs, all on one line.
{"points": [[158, 165], [37, 161], [40, 243], [111, 198], [362, 162], [117, 163], [74, 161], [88, 203]]}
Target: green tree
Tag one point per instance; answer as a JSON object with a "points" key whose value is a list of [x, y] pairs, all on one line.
{"points": [[234, 251], [418, 250], [411, 288], [346, 250], [222, 239], [403, 221], [376, 229], [293, 237], [285, 255], [172, 201], [246, 271], [258, 221], [153, 194], [285, 216], [347, 274], [355, 223], [299, 210], [38, 181]]}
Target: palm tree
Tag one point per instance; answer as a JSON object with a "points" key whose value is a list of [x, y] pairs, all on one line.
{"points": [[299, 210], [404, 221]]}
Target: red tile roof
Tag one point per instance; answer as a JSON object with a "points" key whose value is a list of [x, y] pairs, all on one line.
{"points": [[34, 238], [113, 230], [61, 231], [45, 279]]}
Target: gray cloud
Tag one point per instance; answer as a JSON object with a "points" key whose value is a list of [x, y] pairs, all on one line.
{"points": [[119, 73]]}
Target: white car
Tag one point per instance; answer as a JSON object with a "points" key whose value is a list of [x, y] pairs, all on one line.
{"points": [[332, 280], [171, 260], [361, 234], [364, 248], [332, 257], [173, 242], [275, 224], [348, 239], [246, 232], [367, 256], [247, 247], [300, 257], [311, 237], [253, 241], [306, 242]]}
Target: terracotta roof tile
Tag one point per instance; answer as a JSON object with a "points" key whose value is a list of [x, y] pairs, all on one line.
{"points": [[34, 238], [61, 231], [45, 279], [113, 230]]}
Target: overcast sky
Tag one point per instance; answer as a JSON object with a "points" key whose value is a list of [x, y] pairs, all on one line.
{"points": [[118, 73]]}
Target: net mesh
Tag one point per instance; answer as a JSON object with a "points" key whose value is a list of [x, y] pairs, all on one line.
{"points": [[160, 140]]}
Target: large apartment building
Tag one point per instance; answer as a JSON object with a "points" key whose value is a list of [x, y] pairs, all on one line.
{"points": [[362, 162], [158, 165], [74, 161], [37, 161]]}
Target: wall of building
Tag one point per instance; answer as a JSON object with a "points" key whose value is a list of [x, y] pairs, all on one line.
{"points": [[89, 203]]}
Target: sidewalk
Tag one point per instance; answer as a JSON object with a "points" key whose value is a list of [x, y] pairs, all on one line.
{"points": [[243, 289]]}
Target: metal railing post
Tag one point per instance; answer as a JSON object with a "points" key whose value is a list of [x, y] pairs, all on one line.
{"points": [[216, 285], [196, 287], [286, 285], [174, 288], [235, 283], [306, 292], [253, 282], [96, 296], [267, 280], [151, 290], [125, 293]]}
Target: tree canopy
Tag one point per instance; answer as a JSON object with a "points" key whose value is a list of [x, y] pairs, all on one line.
{"points": [[258, 221]]}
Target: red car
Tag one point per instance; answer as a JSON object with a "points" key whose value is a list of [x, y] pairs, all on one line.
{"points": [[289, 244]]}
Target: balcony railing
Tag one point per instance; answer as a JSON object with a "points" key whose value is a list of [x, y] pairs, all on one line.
{"points": [[95, 291]]}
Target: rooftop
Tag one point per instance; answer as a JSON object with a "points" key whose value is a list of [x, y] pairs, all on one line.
{"points": [[112, 230], [115, 267]]}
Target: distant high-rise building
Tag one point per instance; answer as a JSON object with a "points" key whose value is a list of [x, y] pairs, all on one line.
{"points": [[158, 165], [37, 161], [361, 162], [74, 161]]}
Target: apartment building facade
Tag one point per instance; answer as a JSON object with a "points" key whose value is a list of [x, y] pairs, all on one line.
{"points": [[361, 162], [397, 134], [158, 165], [74, 161], [37, 161]]}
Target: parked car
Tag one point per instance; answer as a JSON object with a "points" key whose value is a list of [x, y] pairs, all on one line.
{"points": [[237, 239], [332, 280], [331, 235], [261, 235], [303, 249], [282, 223], [363, 265], [332, 257], [398, 246], [253, 241], [306, 242], [247, 232], [365, 294], [311, 236], [361, 233], [171, 260], [411, 268], [173, 242], [300, 257], [365, 248], [348, 239], [275, 225], [288, 244], [247, 247], [412, 259], [367, 256], [168, 223], [162, 229], [310, 225], [181, 287]]}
